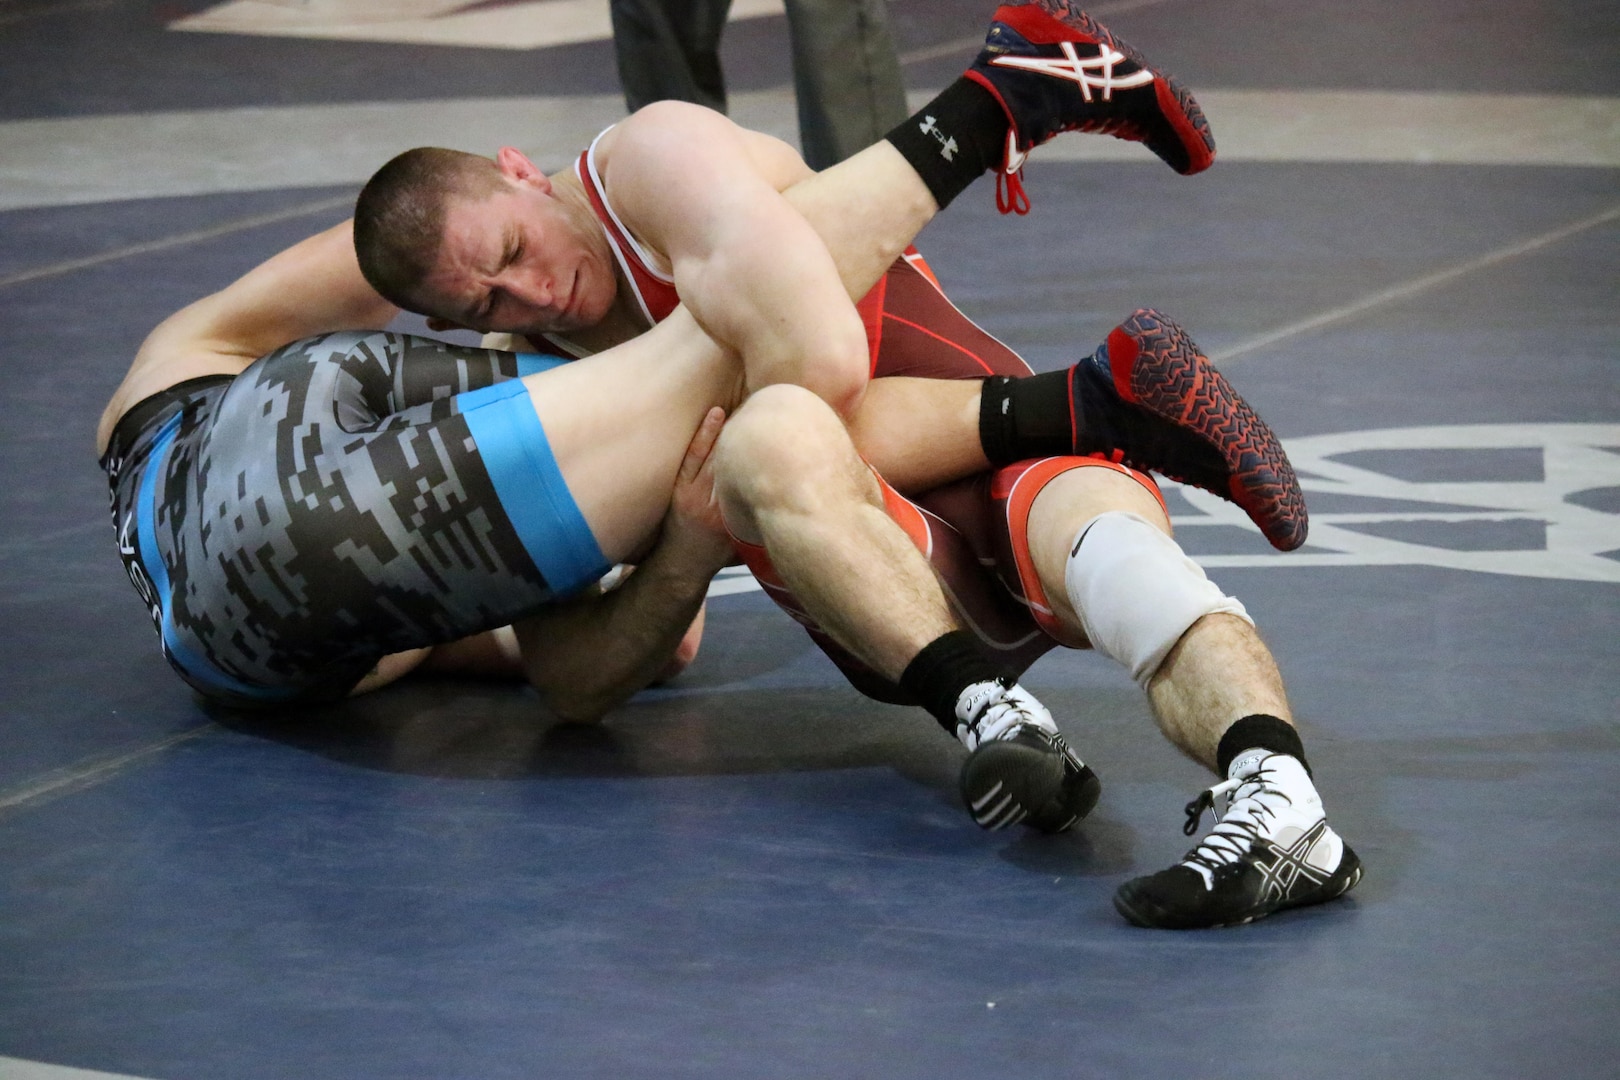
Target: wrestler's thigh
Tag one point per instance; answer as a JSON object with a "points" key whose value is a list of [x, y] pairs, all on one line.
{"points": [[1004, 627], [1064, 506], [618, 424]]}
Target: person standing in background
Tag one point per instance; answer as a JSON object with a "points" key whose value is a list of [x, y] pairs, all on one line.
{"points": [[846, 73]]}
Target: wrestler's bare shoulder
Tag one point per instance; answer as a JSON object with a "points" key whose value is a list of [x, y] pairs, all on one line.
{"points": [[673, 139]]}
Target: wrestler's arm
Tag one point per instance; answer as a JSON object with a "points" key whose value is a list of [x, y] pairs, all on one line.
{"points": [[707, 194], [586, 656], [495, 654], [313, 287], [590, 653]]}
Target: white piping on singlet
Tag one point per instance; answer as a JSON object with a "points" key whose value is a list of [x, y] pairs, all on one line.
{"points": [[594, 180]]}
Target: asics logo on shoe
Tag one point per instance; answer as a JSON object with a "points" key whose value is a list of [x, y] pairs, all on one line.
{"points": [[1091, 73], [1292, 869], [947, 143]]}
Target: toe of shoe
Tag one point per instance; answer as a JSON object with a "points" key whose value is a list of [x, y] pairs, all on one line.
{"points": [[1004, 782], [1075, 799]]}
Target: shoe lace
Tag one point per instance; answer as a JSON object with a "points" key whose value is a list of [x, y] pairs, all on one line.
{"points": [[1010, 195], [1253, 802], [997, 716]]}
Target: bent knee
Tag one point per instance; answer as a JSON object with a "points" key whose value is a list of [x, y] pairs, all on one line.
{"points": [[781, 431], [1078, 495], [786, 449], [1137, 593], [1068, 496]]}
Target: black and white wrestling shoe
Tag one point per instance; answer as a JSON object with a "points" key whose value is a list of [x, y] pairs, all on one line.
{"points": [[1272, 849], [1020, 769]]}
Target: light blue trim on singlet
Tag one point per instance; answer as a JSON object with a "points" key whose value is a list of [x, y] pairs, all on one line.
{"points": [[518, 458], [146, 530], [533, 363]]}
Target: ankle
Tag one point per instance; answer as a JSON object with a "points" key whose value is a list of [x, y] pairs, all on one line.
{"points": [[994, 710], [1254, 737], [1027, 417], [939, 675], [954, 139]]}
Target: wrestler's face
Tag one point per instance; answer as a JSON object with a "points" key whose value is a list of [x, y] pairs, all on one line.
{"points": [[521, 260]]}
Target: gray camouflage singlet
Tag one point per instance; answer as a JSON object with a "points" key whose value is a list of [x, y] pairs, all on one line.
{"points": [[345, 497]]}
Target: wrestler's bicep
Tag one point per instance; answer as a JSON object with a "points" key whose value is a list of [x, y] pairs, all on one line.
{"points": [[313, 287], [749, 267]]}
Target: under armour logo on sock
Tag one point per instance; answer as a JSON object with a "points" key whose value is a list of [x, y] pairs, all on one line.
{"points": [[947, 144]]}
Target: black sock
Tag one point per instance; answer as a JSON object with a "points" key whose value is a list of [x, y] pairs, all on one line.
{"points": [[946, 666], [954, 139], [1263, 731], [1026, 418]]}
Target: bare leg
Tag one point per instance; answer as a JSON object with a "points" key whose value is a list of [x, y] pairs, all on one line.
{"points": [[1217, 673], [814, 505], [619, 423], [1218, 697], [920, 433], [1063, 508], [819, 512], [866, 210]]}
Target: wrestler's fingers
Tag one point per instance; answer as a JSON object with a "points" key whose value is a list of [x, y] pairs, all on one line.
{"points": [[702, 444], [685, 651]]}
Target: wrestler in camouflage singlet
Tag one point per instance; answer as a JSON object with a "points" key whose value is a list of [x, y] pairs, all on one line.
{"points": [[972, 530], [343, 498]]}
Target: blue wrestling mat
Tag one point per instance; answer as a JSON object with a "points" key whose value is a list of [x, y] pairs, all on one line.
{"points": [[1408, 258]]}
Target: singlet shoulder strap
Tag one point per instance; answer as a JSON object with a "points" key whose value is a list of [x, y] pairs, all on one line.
{"points": [[653, 288]]}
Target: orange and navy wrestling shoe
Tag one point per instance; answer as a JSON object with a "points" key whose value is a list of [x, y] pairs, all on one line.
{"points": [[1149, 399]]}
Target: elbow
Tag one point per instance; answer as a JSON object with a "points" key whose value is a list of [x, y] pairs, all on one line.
{"points": [[686, 651], [844, 394], [837, 372], [573, 707], [573, 700], [847, 366]]}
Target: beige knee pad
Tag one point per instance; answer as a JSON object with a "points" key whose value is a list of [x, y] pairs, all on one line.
{"points": [[1136, 592]]}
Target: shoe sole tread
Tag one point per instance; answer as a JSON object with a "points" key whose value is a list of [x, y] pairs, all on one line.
{"points": [[1173, 380]]}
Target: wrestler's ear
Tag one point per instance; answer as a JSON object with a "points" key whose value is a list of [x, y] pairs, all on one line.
{"points": [[515, 165]]}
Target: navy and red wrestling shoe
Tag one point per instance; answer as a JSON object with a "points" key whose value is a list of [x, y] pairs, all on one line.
{"points": [[1148, 397], [1054, 68]]}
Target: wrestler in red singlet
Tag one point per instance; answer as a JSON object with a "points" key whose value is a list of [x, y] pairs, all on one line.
{"points": [[965, 528]]}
